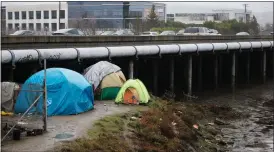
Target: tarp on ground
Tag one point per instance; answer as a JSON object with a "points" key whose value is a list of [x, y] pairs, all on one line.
{"points": [[7, 95], [95, 73], [134, 90], [68, 92]]}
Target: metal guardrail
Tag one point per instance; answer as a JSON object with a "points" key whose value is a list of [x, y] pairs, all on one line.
{"points": [[56, 39], [28, 55]]}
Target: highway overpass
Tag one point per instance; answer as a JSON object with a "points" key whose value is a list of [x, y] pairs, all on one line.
{"points": [[40, 42], [179, 64]]}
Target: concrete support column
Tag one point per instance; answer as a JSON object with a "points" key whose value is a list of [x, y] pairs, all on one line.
{"points": [[131, 69], [248, 68], [233, 71], [264, 66], [273, 69], [11, 74], [200, 73], [172, 75], [190, 75], [216, 72], [220, 69], [155, 77]]}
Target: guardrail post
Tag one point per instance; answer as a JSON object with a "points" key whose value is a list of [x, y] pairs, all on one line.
{"points": [[190, 75], [248, 68], [200, 73], [172, 75], [155, 75], [233, 71], [131, 69], [264, 66], [216, 71]]}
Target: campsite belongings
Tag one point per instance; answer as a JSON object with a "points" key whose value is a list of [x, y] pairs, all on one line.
{"points": [[8, 96], [133, 92], [68, 92], [106, 77], [3, 113]]}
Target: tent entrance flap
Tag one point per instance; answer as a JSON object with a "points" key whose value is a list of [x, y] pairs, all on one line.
{"points": [[131, 96]]}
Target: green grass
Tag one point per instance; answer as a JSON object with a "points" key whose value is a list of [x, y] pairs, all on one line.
{"points": [[110, 124]]}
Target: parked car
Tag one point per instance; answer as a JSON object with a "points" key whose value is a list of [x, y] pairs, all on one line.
{"points": [[69, 32], [148, 33], [271, 33], [242, 33], [23, 33], [196, 31], [168, 33], [124, 32], [181, 32], [107, 33], [213, 32]]}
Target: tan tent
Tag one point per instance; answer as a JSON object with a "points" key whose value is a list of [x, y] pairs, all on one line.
{"points": [[111, 84], [113, 80]]}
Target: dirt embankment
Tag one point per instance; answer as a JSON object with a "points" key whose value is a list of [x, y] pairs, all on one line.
{"points": [[241, 123], [166, 126]]}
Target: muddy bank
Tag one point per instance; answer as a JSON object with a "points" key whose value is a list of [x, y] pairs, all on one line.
{"points": [[255, 131], [239, 122]]}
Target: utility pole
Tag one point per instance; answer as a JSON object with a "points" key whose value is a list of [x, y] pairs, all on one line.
{"points": [[245, 5]]}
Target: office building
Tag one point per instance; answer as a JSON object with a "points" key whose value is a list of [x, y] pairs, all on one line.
{"points": [[44, 17], [215, 15], [82, 14]]}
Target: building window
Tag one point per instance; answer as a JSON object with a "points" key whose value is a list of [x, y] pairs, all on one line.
{"points": [[30, 14], [53, 26], [46, 26], [38, 26], [10, 15], [38, 14], [17, 26], [10, 26], [62, 14], [24, 15], [16, 15], [62, 25], [31, 26], [46, 14], [24, 26], [53, 14]]}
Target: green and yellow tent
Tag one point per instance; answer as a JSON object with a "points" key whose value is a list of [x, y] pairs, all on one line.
{"points": [[133, 92]]}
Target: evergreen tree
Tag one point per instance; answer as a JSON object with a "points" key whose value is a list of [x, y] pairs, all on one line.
{"points": [[152, 18], [254, 26]]}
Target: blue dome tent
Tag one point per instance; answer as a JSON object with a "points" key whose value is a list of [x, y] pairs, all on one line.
{"points": [[68, 92]]}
